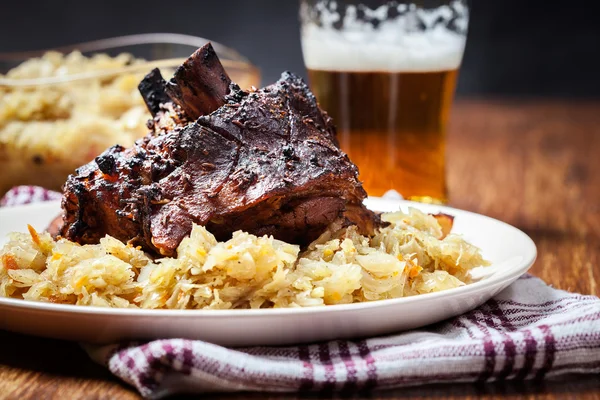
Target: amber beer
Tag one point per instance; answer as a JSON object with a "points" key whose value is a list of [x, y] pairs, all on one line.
{"points": [[392, 125], [386, 72]]}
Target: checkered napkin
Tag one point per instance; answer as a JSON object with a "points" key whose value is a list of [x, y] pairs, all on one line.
{"points": [[529, 331], [20, 195]]}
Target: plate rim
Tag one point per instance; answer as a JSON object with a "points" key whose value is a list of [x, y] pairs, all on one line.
{"points": [[494, 280]]}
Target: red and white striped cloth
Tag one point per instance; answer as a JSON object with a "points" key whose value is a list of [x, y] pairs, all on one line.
{"points": [[529, 331], [20, 195]]}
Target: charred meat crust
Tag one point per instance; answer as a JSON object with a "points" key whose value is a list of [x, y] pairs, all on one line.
{"points": [[198, 87], [266, 162], [153, 90]]}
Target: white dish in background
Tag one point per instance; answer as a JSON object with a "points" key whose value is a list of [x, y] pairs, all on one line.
{"points": [[511, 252]]}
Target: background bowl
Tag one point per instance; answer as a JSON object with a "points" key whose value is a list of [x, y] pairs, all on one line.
{"points": [[160, 50], [43, 150]]}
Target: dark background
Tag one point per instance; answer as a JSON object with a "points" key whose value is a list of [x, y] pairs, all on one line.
{"points": [[525, 48]]}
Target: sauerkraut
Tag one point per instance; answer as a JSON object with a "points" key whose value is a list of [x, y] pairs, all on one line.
{"points": [[407, 258]]}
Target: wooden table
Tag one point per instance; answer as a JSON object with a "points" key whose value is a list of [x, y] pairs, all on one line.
{"points": [[533, 164]]}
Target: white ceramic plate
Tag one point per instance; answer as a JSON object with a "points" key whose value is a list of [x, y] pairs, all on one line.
{"points": [[511, 252]]}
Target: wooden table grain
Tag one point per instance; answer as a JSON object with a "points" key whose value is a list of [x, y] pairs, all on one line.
{"points": [[534, 164]]}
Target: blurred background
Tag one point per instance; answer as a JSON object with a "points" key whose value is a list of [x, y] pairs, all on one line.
{"points": [[518, 48]]}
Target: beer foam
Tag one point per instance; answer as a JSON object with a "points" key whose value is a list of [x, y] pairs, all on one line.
{"points": [[414, 41]]}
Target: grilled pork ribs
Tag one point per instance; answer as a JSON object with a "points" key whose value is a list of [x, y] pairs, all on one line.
{"points": [[264, 161]]}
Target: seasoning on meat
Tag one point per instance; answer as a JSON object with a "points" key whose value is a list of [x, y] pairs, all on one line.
{"points": [[265, 162]]}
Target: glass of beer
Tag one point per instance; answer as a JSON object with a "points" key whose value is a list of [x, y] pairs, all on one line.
{"points": [[386, 72]]}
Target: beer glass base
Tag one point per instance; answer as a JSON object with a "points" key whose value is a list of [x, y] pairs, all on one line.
{"points": [[427, 199]]}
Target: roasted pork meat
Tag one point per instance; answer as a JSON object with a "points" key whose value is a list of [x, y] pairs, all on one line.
{"points": [[262, 161]]}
